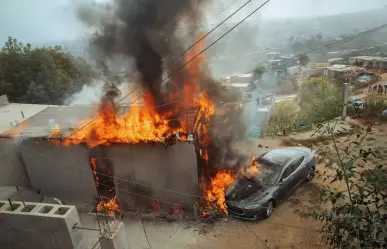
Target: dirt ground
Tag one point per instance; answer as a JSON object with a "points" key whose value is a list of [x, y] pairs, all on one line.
{"points": [[284, 229], [363, 92]]}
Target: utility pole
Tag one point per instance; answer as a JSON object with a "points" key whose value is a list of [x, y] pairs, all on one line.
{"points": [[345, 100]]}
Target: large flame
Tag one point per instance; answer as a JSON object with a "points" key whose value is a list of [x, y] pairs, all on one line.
{"points": [[215, 193], [138, 124]]}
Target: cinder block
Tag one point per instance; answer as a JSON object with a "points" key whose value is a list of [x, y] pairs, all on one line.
{"points": [[3, 204], [65, 238], [47, 225], [43, 216], [69, 214], [29, 235], [8, 235]]}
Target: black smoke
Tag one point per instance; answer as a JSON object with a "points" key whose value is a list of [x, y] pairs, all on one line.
{"points": [[148, 31], [145, 30]]}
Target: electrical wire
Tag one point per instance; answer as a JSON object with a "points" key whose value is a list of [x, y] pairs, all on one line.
{"points": [[212, 30], [306, 53], [212, 89], [221, 11], [185, 64], [202, 38]]}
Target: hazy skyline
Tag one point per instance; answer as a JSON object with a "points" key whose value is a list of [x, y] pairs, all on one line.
{"points": [[39, 21]]}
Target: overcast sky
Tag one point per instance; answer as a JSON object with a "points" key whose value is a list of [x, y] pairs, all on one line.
{"points": [[40, 21]]}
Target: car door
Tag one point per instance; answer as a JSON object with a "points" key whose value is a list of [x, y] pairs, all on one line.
{"points": [[299, 173], [285, 183]]}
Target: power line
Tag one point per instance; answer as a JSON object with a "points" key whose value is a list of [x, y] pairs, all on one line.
{"points": [[182, 53], [185, 64], [312, 51], [306, 53], [224, 9], [212, 30], [309, 52]]}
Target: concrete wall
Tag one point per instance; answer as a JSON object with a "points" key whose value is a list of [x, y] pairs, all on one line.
{"points": [[12, 170], [61, 172], [173, 168], [65, 172], [39, 226]]}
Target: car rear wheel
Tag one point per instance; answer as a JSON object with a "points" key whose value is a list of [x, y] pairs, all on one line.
{"points": [[269, 209], [310, 174]]}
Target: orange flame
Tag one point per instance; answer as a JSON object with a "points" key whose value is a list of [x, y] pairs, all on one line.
{"points": [[215, 194], [142, 124], [14, 132], [138, 125], [110, 206], [93, 162], [251, 170]]}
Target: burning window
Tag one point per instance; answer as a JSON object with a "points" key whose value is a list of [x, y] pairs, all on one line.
{"points": [[103, 178]]}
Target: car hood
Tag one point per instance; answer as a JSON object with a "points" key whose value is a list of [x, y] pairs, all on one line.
{"points": [[243, 188]]}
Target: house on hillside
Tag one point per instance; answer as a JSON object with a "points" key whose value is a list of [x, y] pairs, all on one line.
{"points": [[369, 61], [344, 73]]}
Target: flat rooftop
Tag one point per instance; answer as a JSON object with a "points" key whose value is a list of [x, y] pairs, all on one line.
{"points": [[67, 117], [11, 114]]}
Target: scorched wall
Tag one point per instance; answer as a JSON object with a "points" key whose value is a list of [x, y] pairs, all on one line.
{"points": [[65, 172]]}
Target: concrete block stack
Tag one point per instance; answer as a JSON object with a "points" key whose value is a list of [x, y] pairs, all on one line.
{"points": [[38, 226]]}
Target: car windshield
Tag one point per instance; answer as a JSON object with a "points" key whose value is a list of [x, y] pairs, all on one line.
{"points": [[267, 173], [278, 157]]}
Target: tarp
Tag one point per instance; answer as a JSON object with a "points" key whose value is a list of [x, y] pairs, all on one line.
{"points": [[365, 77]]}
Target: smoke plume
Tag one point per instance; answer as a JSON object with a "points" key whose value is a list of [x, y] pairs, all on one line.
{"points": [[147, 32], [144, 30]]}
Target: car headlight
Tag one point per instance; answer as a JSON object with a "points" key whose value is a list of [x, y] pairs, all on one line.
{"points": [[253, 206]]}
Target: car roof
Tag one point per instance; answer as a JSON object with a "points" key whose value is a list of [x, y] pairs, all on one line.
{"points": [[283, 155]]}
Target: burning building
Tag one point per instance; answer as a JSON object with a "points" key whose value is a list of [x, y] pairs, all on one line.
{"points": [[79, 171], [127, 155]]}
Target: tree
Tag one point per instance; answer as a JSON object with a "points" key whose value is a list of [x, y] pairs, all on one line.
{"points": [[319, 36], [40, 75], [303, 59], [356, 216], [319, 99], [258, 72]]}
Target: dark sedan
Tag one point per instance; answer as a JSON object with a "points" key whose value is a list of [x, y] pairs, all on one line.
{"points": [[279, 173]]}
